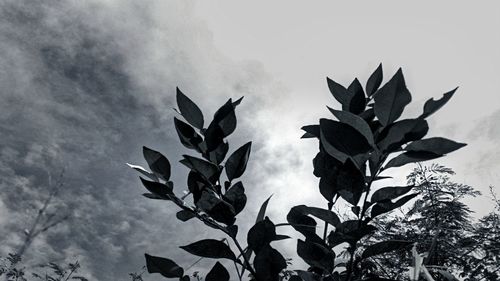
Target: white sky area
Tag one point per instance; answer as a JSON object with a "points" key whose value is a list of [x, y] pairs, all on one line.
{"points": [[439, 45]]}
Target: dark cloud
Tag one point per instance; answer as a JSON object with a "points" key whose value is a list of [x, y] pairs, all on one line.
{"points": [[83, 87]]}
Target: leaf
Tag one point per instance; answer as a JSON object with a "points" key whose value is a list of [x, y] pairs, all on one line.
{"points": [[435, 145], [312, 131], [143, 171], [316, 255], [339, 92], [217, 155], [189, 110], [303, 224], [216, 208], [345, 180], [217, 273], [357, 101], [354, 121], [187, 135], [322, 214], [391, 99], [432, 105], [166, 267], [207, 169], [401, 132], [162, 190], [225, 118], [237, 162], [411, 157], [262, 210], [384, 247], [185, 215], [214, 136], [261, 234], [268, 263], [210, 248], [374, 81], [387, 206], [389, 193], [349, 231], [338, 137], [237, 102], [236, 197], [158, 163]]}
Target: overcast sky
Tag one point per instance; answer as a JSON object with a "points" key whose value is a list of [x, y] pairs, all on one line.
{"points": [[84, 85]]}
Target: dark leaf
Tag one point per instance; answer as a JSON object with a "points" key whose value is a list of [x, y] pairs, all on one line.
{"points": [[384, 247], [143, 171], [210, 248], [262, 210], [322, 214], [389, 193], [187, 135], [345, 180], [184, 278], [237, 162], [295, 278], [268, 263], [312, 131], [216, 208], [357, 102], [185, 215], [261, 234], [159, 189], [236, 197], [166, 267], [196, 183], [207, 169], [350, 231], [395, 135], [339, 92], [436, 145], [158, 163], [214, 137], [225, 118], [189, 110], [316, 255], [411, 157], [354, 121], [303, 224], [217, 273], [432, 105], [374, 81], [387, 206], [341, 140], [217, 155], [391, 99], [152, 196]]}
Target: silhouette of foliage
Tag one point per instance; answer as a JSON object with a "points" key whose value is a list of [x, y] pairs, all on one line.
{"points": [[366, 138]]}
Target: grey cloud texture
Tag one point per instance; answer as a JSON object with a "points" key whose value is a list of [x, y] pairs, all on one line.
{"points": [[83, 87]]}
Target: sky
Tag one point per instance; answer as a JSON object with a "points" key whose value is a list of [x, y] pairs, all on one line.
{"points": [[85, 84]]}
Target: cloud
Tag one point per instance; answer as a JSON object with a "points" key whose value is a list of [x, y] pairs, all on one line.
{"points": [[83, 87]]}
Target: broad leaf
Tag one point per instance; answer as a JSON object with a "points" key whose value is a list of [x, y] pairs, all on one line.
{"points": [[237, 162], [432, 105], [143, 171], [374, 81], [158, 163], [436, 145], [159, 189], [411, 157], [354, 121], [166, 267], [189, 110], [387, 206], [218, 209], [207, 169], [187, 135], [395, 135], [357, 101], [217, 155], [322, 214], [236, 197], [210, 248], [391, 99], [341, 140], [384, 247], [316, 255], [217, 273], [268, 263], [339, 92], [303, 223], [225, 118], [389, 193], [349, 231], [185, 215]]}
